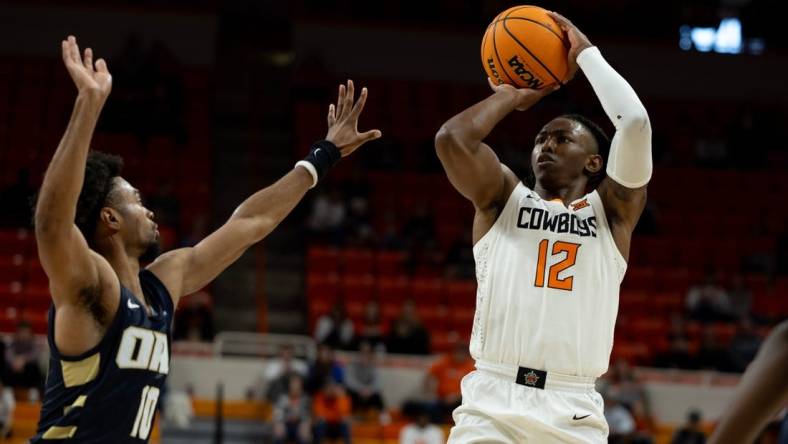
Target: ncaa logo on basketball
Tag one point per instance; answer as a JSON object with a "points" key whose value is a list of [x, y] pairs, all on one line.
{"points": [[526, 76]]}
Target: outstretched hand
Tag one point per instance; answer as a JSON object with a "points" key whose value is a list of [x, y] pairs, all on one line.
{"points": [[343, 121], [577, 41], [524, 97], [91, 80]]}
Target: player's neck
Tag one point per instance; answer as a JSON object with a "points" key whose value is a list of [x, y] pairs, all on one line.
{"points": [[566, 193], [125, 264]]}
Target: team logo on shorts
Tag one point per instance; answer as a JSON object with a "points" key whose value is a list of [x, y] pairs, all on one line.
{"points": [[531, 378]]}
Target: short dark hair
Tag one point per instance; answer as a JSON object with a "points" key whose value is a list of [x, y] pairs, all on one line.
{"points": [[602, 143], [100, 169]]}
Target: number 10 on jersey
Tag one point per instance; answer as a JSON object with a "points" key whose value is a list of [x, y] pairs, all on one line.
{"points": [[147, 408], [552, 276]]}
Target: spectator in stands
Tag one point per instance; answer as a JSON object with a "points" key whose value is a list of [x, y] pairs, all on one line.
{"points": [[421, 431], [390, 238], [407, 334], [625, 387], [292, 414], [677, 355], [324, 369], [363, 382], [444, 377], [335, 328], [372, 326], [711, 149], [194, 322], [280, 370], [620, 422], [708, 301], [420, 228], [743, 346], [740, 298], [358, 226], [711, 356], [459, 259], [22, 356], [332, 408], [690, 433], [15, 201], [7, 406], [328, 216]]}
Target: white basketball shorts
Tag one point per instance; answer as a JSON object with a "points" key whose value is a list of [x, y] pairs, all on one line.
{"points": [[496, 409]]}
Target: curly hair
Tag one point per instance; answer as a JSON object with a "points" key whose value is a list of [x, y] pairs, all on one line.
{"points": [[100, 169]]}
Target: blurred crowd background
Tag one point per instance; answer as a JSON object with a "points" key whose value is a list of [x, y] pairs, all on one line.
{"points": [[213, 100]]}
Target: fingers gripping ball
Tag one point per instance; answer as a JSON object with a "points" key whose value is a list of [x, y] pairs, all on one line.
{"points": [[525, 47]]}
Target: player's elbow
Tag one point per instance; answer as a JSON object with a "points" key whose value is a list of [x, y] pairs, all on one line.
{"points": [[447, 139], [636, 122], [444, 138]]}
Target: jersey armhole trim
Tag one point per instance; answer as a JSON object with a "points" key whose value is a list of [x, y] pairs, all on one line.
{"points": [[509, 201], [599, 206], [170, 304]]}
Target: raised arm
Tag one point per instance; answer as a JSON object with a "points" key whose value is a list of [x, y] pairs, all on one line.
{"points": [[629, 163], [69, 263], [471, 165], [762, 392], [186, 270]]}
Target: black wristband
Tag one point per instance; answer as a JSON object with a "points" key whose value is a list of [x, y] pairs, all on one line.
{"points": [[323, 155]]}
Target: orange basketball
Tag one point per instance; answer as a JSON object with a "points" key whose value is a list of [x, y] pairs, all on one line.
{"points": [[525, 47]]}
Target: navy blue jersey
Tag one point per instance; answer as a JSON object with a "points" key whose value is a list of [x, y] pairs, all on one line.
{"points": [[109, 393]]}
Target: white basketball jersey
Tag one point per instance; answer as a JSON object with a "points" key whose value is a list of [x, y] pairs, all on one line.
{"points": [[549, 279]]}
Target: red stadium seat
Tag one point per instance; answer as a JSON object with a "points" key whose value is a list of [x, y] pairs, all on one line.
{"points": [[462, 318], [639, 278], [461, 293], [322, 286], [673, 279], [390, 262], [393, 289], [358, 287], [634, 303], [12, 268], [632, 352], [669, 302], [11, 295], [435, 317], [15, 241], [358, 261], [323, 259], [427, 290]]}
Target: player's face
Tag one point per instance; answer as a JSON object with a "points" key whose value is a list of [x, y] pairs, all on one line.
{"points": [[561, 151], [139, 229]]}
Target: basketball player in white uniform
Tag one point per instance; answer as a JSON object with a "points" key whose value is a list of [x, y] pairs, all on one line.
{"points": [[549, 260]]}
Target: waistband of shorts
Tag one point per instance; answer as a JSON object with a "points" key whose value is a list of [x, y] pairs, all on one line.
{"points": [[553, 381]]}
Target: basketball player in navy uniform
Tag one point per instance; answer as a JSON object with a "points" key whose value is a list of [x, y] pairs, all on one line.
{"points": [[110, 324], [761, 394], [549, 259]]}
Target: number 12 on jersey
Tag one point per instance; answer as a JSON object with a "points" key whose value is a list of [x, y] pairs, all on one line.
{"points": [[552, 279]]}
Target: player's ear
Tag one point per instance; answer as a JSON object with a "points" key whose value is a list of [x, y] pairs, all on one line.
{"points": [[594, 164], [111, 218]]}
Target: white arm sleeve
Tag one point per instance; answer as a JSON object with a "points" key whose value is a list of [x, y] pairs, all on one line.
{"points": [[629, 162]]}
